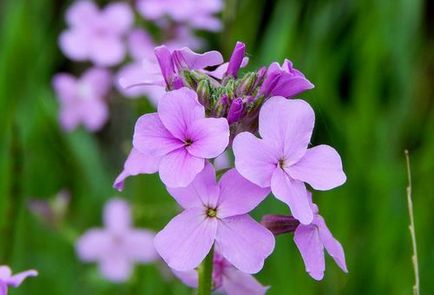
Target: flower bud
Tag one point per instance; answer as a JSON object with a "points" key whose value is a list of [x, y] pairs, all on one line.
{"points": [[204, 92], [246, 84], [189, 80], [280, 224], [236, 60], [236, 110], [221, 106]]}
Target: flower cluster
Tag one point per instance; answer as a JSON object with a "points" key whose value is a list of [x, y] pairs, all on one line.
{"points": [[109, 40], [209, 108]]}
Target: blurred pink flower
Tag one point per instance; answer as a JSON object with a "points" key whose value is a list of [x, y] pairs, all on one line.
{"points": [[96, 35], [82, 100], [117, 246], [7, 279], [226, 279], [198, 14]]}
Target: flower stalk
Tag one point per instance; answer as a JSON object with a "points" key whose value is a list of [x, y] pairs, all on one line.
{"points": [[205, 274]]}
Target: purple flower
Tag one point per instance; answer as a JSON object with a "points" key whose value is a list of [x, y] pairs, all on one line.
{"points": [[281, 159], [311, 241], [179, 137], [94, 34], [118, 246], [82, 100], [236, 59], [226, 279], [216, 212], [198, 14], [284, 81], [7, 279]]}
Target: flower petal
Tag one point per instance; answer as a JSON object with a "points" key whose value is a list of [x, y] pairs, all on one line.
{"points": [[254, 159], [93, 245], [244, 242], [116, 268], [117, 215], [107, 50], [65, 87], [136, 163], [186, 239], [140, 246], [5, 272], [294, 194], [18, 278], [311, 249], [99, 80], [238, 195], [196, 61], [178, 109], [94, 113], [74, 44], [321, 167], [287, 125], [210, 137], [81, 13], [203, 191], [236, 282], [333, 247], [188, 277], [151, 137], [179, 168], [119, 16]]}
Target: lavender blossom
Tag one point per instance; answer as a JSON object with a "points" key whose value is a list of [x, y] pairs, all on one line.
{"points": [[216, 213], [82, 100], [118, 246], [281, 159], [96, 35]]}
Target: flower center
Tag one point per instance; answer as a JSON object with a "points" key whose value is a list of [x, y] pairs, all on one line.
{"points": [[188, 142], [282, 163], [211, 212]]}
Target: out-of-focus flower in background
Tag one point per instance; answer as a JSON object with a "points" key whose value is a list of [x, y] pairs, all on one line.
{"points": [[198, 14], [226, 279], [82, 100], [8, 279], [96, 35], [117, 246]]}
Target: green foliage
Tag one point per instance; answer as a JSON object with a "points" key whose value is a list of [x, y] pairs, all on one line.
{"points": [[370, 62]]}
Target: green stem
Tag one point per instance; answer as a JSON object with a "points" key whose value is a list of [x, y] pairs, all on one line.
{"points": [[205, 274]]}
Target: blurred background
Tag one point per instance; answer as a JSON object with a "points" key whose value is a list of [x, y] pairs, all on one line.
{"points": [[372, 63]]}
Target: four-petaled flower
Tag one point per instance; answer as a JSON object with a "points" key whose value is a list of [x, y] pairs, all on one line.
{"points": [[96, 35], [82, 100], [281, 159], [226, 279], [177, 140], [118, 246], [311, 241], [7, 279], [216, 213]]}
